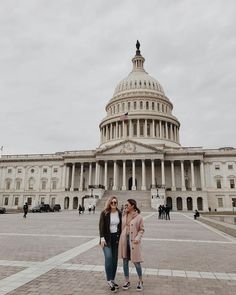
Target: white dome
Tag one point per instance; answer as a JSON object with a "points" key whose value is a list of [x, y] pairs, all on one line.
{"points": [[139, 80]]}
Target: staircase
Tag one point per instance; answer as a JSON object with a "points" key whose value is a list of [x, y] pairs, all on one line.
{"points": [[143, 199]]}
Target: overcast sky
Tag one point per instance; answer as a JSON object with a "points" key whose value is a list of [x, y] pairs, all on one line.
{"points": [[60, 61]]}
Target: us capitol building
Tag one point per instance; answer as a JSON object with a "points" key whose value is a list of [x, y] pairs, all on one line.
{"points": [[140, 155]]}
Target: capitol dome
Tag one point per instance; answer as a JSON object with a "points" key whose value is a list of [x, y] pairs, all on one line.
{"points": [[139, 110]]}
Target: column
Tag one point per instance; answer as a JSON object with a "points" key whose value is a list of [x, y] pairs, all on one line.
{"points": [[116, 130], [202, 176], [90, 174], [111, 131], [157, 129], [124, 176], [133, 176], [160, 129], [171, 132], [114, 188], [163, 183], [96, 174], [72, 178], [130, 128], [105, 175], [67, 177], [119, 136], [138, 128], [192, 176], [107, 133], [194, 198], [145, 128], [81, 177], [182, 176], [143, 187], [63, 181], [167, 135], [123, 127], [153, 173], [173, 188], [153, 128]]}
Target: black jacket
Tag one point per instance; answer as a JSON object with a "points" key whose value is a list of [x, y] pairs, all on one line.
{"points": [[104, 227]]}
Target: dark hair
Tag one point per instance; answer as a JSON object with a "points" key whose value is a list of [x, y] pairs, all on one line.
{"points": [[134, 203]]}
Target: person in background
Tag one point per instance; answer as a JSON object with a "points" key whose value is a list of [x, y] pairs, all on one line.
{"points": [[130, 242], [110, 229], [25, 209]]}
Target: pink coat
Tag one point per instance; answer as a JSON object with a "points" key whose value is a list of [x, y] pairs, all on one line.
{"points": [[136, 230]]}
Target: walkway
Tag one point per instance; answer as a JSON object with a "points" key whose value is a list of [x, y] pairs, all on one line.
{"points": [[58, 253]]}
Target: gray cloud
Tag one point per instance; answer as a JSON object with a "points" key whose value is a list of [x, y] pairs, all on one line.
{"points": [[61, 60]]}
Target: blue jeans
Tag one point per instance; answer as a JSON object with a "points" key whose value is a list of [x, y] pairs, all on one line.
{"points": [[126, 268], [111, 257]]}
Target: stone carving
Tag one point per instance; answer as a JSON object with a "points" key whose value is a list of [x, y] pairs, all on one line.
{"points": [[128, 148]]}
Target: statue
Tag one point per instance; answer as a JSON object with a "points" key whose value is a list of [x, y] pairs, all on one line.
{"points": [[137, 45]]}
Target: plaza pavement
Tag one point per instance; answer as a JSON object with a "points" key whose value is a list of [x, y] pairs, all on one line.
{"points": [[58, 253]]}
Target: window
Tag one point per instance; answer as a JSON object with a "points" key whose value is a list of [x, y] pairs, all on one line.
{"points": [[44, 184], [135, 105], [32, 170], [17, 184], [135, 129], [123, 106], [45, 170], [232, 183], [42, 200], [153, 106], [29, 201], [148, 129], [6, 201], [118, 108], [141, 129], [55, 170], [9, 170], [31, 183], [162, 108], [158, 106], [54, 184], [230, 167], [141, 105], [220, 202], [19, 170], [218, 183], [16, 201], [147, 105], [8, 184], [217, 167], [128, 106]]}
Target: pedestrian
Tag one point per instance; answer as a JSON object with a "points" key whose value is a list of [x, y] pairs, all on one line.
{"points": [[159, 212], [130, 242], [25, 209], [94, 208], [110, 229], [80, 209], [89, 208], [197, 214], [167, 212]]}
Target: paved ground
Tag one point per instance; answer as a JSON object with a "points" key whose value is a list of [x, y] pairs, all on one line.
{"points": [[58, 253]]}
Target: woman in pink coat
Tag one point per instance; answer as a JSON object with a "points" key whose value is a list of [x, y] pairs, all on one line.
{"points": [[130, 242]]}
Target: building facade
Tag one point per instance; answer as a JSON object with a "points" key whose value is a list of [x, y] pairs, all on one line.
{"points": [[139, 151]]}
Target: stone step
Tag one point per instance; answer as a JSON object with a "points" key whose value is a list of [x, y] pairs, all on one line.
{"points": [[143, 199]]}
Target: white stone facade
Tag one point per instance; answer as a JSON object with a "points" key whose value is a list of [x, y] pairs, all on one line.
{"points": [[139, 150]]}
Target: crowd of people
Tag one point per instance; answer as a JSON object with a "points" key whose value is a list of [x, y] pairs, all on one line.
{"points": [[164, 212]]}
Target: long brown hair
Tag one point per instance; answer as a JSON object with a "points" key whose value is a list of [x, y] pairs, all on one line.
{"points": [[134, 203], [107, 207]]}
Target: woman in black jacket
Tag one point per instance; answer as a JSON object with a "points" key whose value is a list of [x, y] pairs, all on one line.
{"points": [[110, 229]]}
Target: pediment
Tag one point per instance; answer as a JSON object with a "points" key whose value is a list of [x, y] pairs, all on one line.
{"points": [[129, 147]]}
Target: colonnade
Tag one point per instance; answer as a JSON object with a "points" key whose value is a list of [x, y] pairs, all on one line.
{"points": [[140, 128], [95, 167]]}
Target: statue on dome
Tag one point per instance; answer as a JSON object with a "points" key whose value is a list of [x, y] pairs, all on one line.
{"points": [[137, 47]]}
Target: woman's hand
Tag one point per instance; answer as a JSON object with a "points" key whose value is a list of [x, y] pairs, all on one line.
{"points": [[103, 244]]}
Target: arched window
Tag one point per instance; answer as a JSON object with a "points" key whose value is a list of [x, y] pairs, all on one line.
{"points": [[129, 106], [141, 105], [123, 106], [147, 105], [118, 108], [8, 184], [141, 129], [153, 106], [135, 105]]}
